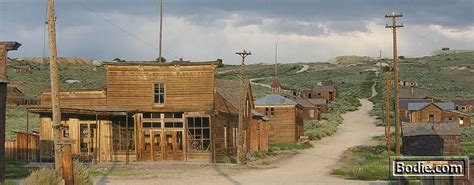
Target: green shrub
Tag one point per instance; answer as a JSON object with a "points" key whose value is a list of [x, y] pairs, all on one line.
{"points": [[41, 177]]}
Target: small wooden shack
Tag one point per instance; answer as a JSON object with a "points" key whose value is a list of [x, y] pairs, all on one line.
{"points": [[14, 95], [258, 132], [24, 148], [322, 104], [325, 90], [437, 113], [431, 139], [286, 118], [466, 106], [22, 69], [310, 111]]}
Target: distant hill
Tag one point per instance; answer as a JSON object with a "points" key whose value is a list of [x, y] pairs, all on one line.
{"points": [[348, 60]]}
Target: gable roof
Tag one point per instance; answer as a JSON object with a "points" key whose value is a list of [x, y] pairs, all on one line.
{"points": [[418, 93], [463, 102], [274, 99], [419, 106], [459, 112], [404, 103], [418, 129], [304, 103], [230, 90]]}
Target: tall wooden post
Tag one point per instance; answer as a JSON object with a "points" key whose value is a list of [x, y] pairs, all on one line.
{"points": [[53, 68], [394, 27], [68, 169], [160, 59], [388, 106], [4, 48], [127, 145], [242, 103]]}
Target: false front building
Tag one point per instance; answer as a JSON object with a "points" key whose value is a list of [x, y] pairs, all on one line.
{"points": [[151, 112]]}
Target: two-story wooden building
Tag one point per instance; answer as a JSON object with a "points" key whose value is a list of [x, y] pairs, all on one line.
{"points": [[150, 111], [437, 113], [286, 118]]}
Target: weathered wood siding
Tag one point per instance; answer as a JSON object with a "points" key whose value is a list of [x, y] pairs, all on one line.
{"points": [[283, 125], [77, 99], [187, 88], [258, 135], [423, 115]]}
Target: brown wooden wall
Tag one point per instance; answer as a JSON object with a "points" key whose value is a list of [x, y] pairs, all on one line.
{"points": [[223, 126], [186, 87], [24, 148], [77, 99], [258, 139], [283, 125], [439, 116]]}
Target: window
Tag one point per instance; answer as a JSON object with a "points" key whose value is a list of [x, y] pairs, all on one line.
{"points": [[461, 120], [309, 95], [151, 125], [119, 127], [151, 115], [174, 125], [311, 113], [159, 93], [174, 115], [270, 111], [199, 134], [431, 118]]}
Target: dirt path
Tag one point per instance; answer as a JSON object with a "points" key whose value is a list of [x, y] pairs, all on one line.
{"points": [[260, 84], [305, 68]]}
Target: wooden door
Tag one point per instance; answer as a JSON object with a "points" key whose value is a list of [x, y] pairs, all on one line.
{"points": [[173, 145], [152, 145]]}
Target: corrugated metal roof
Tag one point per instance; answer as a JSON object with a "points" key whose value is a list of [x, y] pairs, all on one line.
{"points": [[274, 99], [304, 102], [418, 129], [419, 106], [258, 114], [404, 103], [418, 93]]}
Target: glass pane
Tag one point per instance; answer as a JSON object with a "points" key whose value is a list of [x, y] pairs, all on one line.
{"points": [[178, 115], [205, 122], [206, 145], [155, 115], [168, 115], [162, 99], [178, 125], [146, 115], [146, 125], [205, 133], [197, 122], [190, 122], [169, 125]]}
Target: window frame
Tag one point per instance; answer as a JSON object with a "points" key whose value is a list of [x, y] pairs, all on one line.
{"points": [[191, 138], [155, 94]]}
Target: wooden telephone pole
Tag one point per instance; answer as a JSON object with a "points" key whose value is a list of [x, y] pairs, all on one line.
{"points": [[242, 104], [160, 59], [388, 133], [394, 27]]}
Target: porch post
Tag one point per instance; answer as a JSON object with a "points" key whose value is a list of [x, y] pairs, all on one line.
{"points": [[97, 148], [128, 138]]}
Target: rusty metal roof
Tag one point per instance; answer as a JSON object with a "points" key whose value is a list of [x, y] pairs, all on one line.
{"points": [[418, 129]]}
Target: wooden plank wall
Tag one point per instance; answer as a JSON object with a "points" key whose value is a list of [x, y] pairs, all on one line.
{"points": [[23, 148], [77, 99], [282, 126], [186, 87]]}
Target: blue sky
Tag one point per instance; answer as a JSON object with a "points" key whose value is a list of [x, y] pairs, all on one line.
{"points": [[306, 30]]}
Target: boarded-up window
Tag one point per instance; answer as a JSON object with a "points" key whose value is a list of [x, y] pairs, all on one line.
{"points": [[159, 93], [199, 136]]}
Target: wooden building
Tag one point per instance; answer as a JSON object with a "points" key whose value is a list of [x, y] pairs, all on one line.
{"points": [[22, 69], [276, 86], [429, 139], [437, 113], [321, 104], [414, 93], [310, 111], [152, 112], [404, 106], [286, 118], [466, 106], [324, 90], [258, 132], [14, 95]]}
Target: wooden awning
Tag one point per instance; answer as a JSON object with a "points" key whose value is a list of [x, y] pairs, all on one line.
{"points": [[105, 112]]}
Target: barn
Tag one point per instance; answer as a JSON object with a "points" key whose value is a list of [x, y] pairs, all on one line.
{"points": [[431, 139]]}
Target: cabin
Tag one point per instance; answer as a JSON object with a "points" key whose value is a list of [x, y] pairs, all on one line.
{"points": [[321, 104], [404, 106], [310, 111], [324, 90], [152, 112], [466, 106], [437, 113], [14, 95], [286, 122], [22, 69], [428, 139]]}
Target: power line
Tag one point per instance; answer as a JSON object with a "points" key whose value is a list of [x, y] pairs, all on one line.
{"points": [[113, 24]]}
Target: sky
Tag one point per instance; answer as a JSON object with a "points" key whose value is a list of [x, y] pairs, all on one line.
{"points": [[203, 30]]}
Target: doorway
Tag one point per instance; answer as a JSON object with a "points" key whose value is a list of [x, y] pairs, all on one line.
{"points": [[163, 145]]}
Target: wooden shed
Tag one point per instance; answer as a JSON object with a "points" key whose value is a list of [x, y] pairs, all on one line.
{"points": [[286, 118], [14, 95], [437, 113], [310, 111], [324, 90], [22, 69], [152, 112], [466, 106], [431, 139], [258, 132]]}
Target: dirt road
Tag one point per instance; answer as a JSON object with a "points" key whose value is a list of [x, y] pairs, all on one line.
{"points": [[312, 166], [305, 68]]}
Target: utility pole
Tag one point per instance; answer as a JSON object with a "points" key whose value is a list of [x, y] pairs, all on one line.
{"points": [[394, 27], [160, 59], [53, 68], [242, 103], [388, 133], [276, 60]]}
